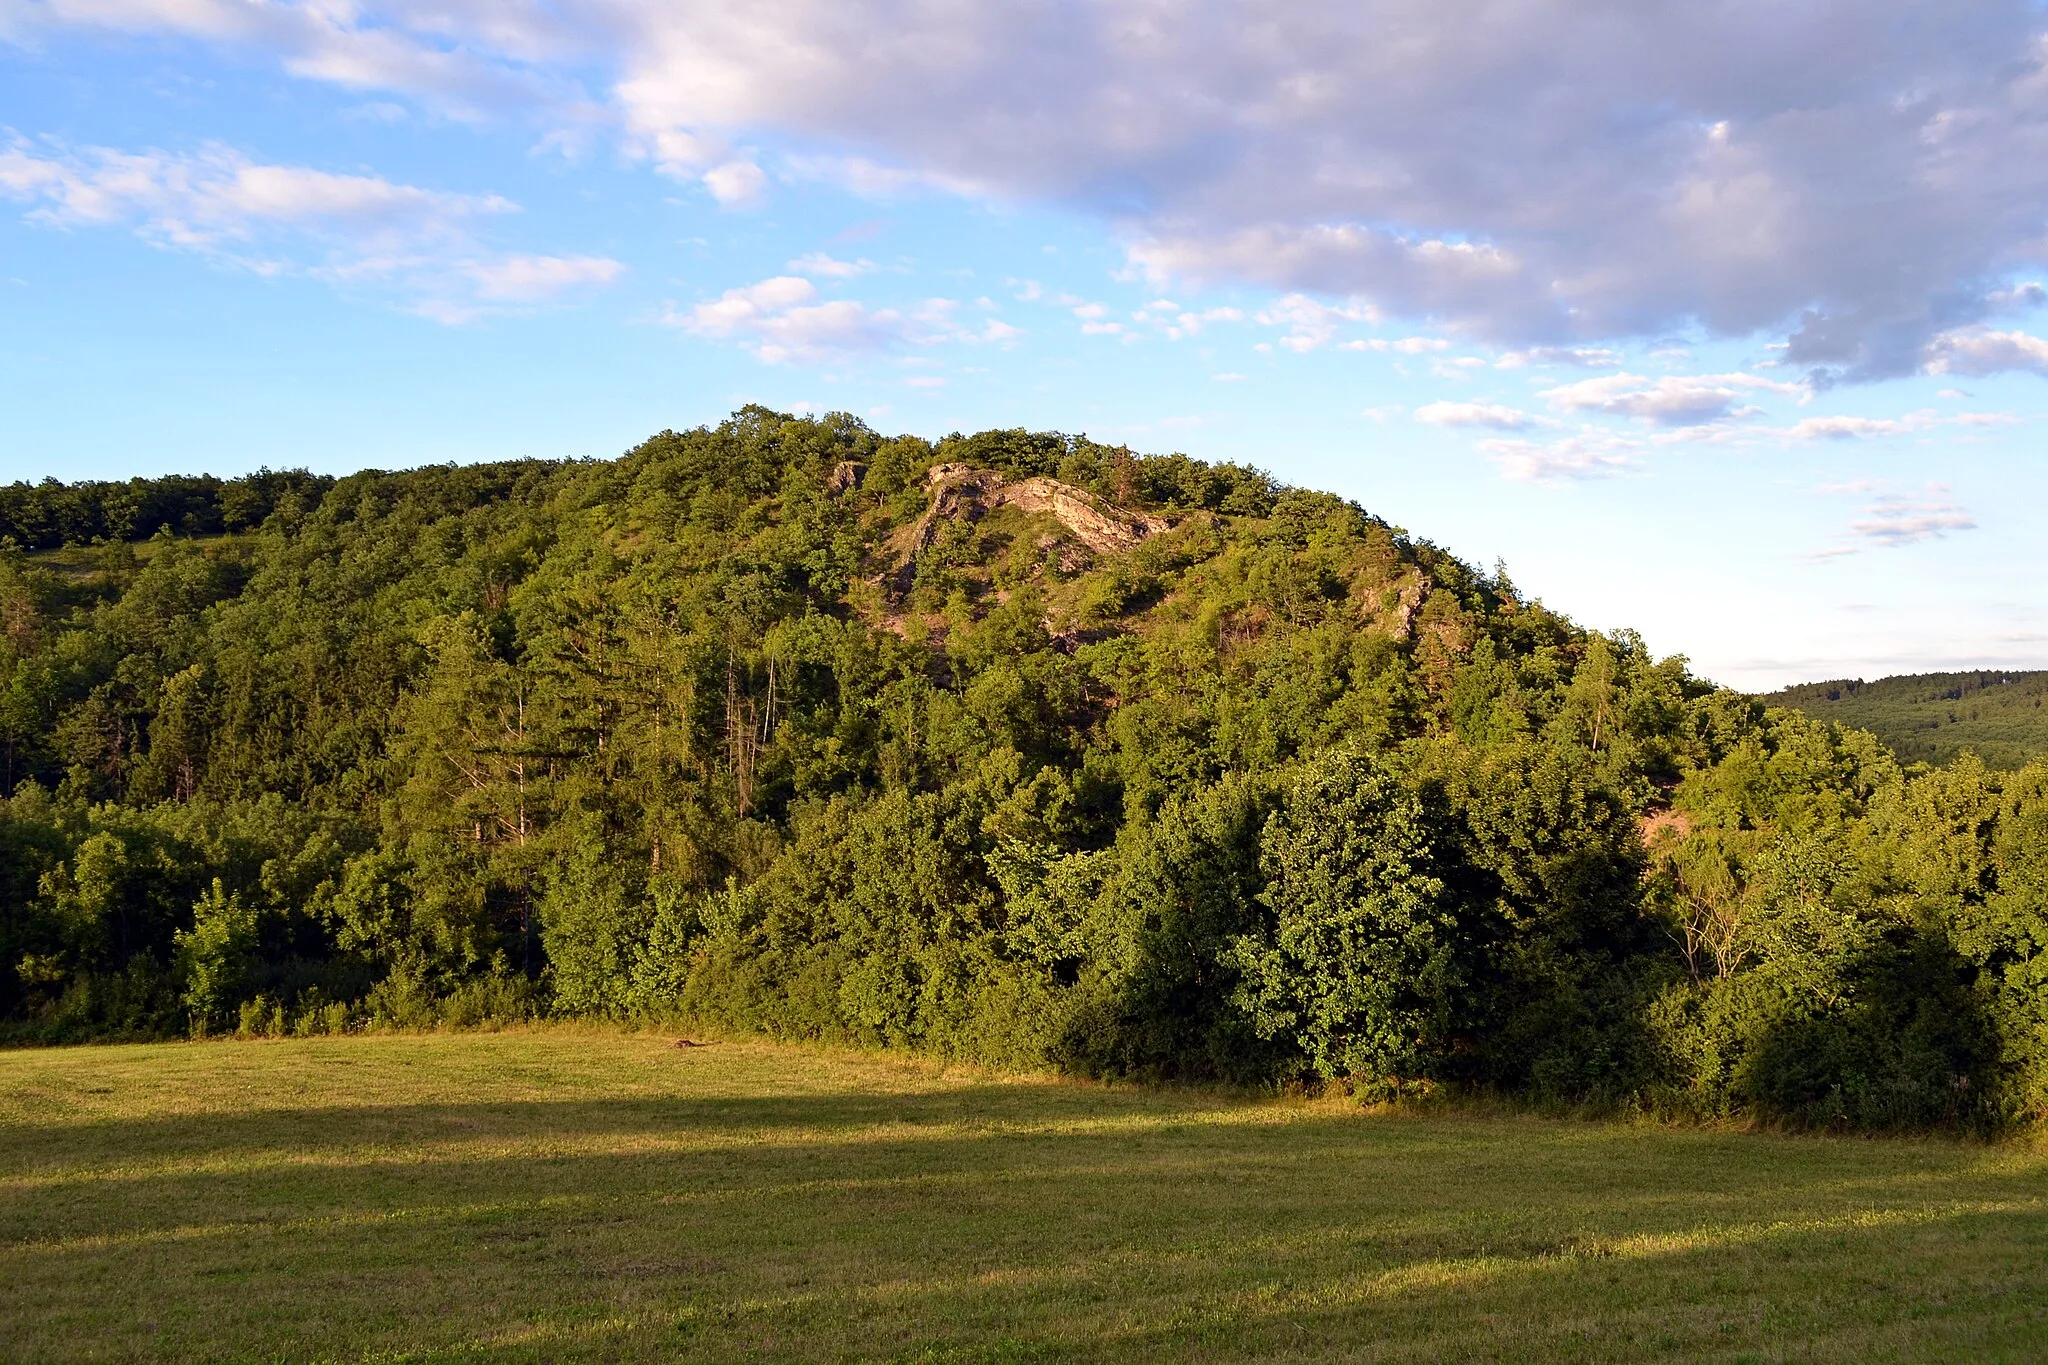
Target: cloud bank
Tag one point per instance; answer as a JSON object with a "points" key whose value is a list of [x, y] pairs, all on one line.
{"points": [[1864, 177]]}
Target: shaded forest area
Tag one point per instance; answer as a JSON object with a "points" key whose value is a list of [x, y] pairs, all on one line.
{"points": [[1937, 717], [1011, 747]]}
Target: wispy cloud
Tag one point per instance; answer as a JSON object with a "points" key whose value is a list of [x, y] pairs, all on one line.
{"points": [[1176, 323], [874, 180], [1895, 519], [1589, 455], [1400, 345], [1311, 323], [1578, 357], [349, 229], [823, 266], [217, 200], [1847, 428], [528, 279], [783, 319], [1668, 401], [1899, 519], [1980, 351], [1491, 415], [1855, 428]]}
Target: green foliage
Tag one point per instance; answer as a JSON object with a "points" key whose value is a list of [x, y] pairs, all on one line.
{"points": [[1158, 770], [214, 959], [50, 514], [1935, 717], [1368, 953]]}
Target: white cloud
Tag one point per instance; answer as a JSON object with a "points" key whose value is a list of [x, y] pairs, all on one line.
{"points": [[1977, 351], [736, 184], [1850, 428], [219, 198], [1491, 415], [1401, 345], [1592, 455], [529, 279], [1861, 176], [501, 61], [779, 320], [782, 319], [2021, 296], [1176, 323], [1227, 377], [1310, 323], [1670, 401], [1897, 519], [872, 180], [350, 230], [1856, 428], [820, 264], [1579, 357]]}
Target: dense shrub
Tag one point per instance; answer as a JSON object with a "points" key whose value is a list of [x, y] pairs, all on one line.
{"points": [[747, 728]]}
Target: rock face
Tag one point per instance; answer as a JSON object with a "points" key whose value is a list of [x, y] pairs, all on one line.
{"points": [[959, 490], [1098, 525]]}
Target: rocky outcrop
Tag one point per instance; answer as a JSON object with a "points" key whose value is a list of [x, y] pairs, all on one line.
{"points": [[961, 491], [1103, 528]]}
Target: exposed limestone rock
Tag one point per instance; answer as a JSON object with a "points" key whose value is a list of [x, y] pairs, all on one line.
{"points": [[1391, 606], [961, 491], [1098, 525]]}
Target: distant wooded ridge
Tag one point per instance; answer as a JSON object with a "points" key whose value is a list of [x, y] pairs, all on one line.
{"points": [[1998, 715], [50, 514]]}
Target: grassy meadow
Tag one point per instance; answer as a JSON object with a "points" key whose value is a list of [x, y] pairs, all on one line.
{"points": [[581, 1194]]}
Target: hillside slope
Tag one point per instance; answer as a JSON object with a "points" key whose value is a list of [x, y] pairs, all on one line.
{"points": [[1010, 746], [1936, 717]]}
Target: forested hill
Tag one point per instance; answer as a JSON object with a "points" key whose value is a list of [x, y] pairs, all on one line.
{"points": [[1012, 746], [48, 515], [1935, 717]]}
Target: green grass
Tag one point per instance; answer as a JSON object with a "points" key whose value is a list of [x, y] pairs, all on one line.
{"points": [[572, 1194], [1937, 717]]}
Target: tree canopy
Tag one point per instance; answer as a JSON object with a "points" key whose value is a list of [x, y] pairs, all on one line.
{"points": [[1011, 746]]}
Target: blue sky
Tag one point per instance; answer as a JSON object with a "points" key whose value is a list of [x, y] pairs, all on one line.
{"points": [[1714, 321]]}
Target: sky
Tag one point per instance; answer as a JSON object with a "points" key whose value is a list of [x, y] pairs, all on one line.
{"points": [[1720, 321]]}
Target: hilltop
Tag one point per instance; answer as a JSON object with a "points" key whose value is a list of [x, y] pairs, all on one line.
{"points": [[1013, 747], [1937, 717]]}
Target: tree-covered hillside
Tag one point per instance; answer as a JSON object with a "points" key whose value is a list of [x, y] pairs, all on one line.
{"points": [[1935, 717], [1010, 746]]}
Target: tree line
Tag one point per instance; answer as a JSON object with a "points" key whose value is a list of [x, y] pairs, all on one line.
{"points": [[762, 726]]}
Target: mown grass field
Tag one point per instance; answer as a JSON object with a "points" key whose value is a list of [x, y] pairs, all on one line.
{"points": [[569, 1195]]}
